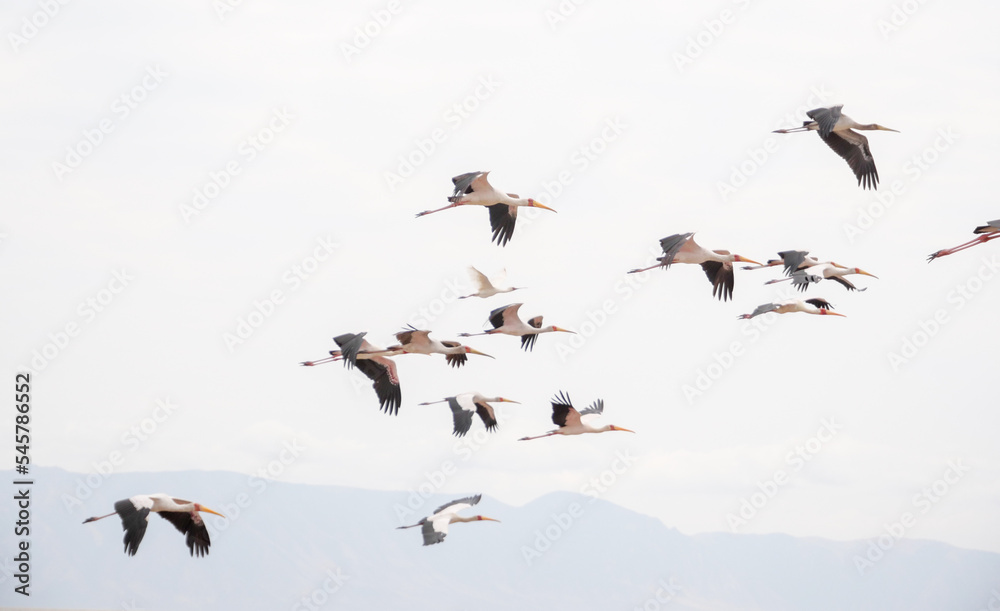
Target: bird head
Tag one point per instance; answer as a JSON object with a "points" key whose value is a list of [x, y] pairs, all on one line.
{"points": [[469, 350], [618, 428], [740, 259], [533, 204], [863, 273], [198, 507], [824, 311]]}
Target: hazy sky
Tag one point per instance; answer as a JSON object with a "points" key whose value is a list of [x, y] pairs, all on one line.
{"points": [[198, 196]]}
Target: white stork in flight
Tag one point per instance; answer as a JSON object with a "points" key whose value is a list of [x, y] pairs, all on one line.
{"points": [[417, 341], [572, 422], [184, 515], [837, 130], [463, 407], [485, 288], [802, 278], [809, 306], [435, 527], [372, 361], [505, 320], [986, 233], [472, 189], [718, 264], [791, 261]]}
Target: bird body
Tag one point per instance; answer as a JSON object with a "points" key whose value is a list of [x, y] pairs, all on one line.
{"points": [[435, 527], [506, 321], [572, 422], [802, 278], [717, 264], [809, 306], [418, 341], [473, 189], [837, 130], [184, 515], [465, 405], [485, 288], [987, 232], [372, 361]]}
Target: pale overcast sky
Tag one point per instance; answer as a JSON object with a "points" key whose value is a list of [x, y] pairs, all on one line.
{"points": [[198, 196]]}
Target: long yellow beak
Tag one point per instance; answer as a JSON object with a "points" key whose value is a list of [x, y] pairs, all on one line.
{"points": [[537, 205], [745, 260], [474, 351], [212, 511], [554, 328], [860, 271], [835, 314], [887, 129], [509, 401], [490, 519], [618, 428]]}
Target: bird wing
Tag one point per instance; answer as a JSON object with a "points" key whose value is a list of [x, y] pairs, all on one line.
{"points": [[191, 524], [989, 227], [382, 372], [592, 411], [502, 219], [820, 303], [802, 279], [463, 183], [413, 336], [722, 278], [528, 340], [764, 309], [461, 411], [671, 245], [497, 316], [435, 531], [826, 119], [457, 505], [847, 283], [480, 183], [853, 147], [486, 414], [536, 322], [455, 360], [563, 412], [792, 259], [479, 279], [134, 513], [350, 344]]}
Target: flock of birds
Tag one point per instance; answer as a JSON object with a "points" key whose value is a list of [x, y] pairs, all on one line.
{"points": [[473, 189]]}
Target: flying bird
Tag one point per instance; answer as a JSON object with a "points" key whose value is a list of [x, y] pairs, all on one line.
{"points": [[417, 341], [837, 130], [473, 189], [986, 233], [435, 527], [802, 278], [184, 515], [372, 361], [505, 320], [485, 288], [463, 407], [791, 261], [809, 306], [572, 422], [718, 264]]}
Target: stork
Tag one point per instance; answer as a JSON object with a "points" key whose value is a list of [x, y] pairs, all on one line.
{"points": [[435, 527], [809, 306], [134, 512], [718, 264], [463, 407], [372, 361], [505, 320], [572, 422]]}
